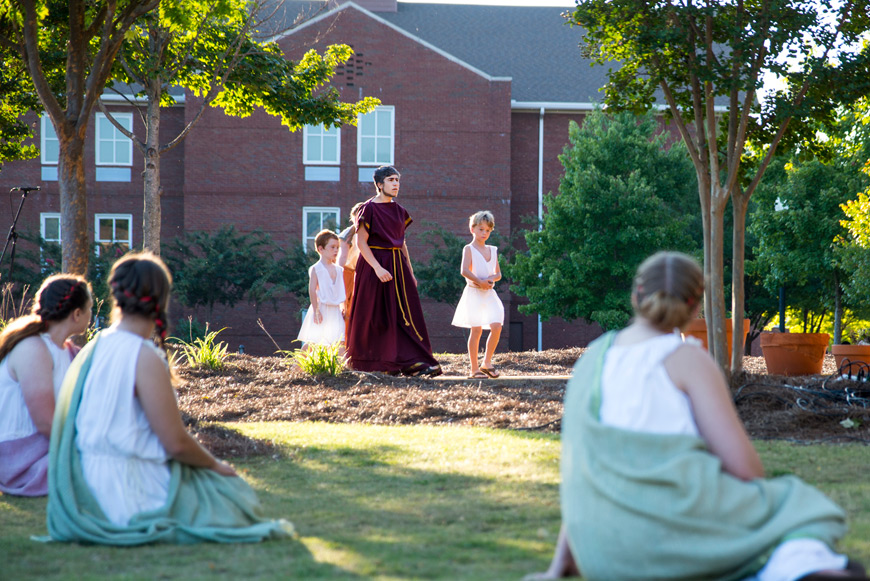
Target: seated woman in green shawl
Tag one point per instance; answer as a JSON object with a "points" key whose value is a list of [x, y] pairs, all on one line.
{"points": [[659, 478], [123, 470]]}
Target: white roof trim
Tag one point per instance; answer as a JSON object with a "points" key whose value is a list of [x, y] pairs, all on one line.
{"points": [[401, 31]]}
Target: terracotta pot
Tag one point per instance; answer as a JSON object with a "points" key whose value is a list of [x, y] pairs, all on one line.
{"points": [[856, 354], [697, 328], [794, 353]]}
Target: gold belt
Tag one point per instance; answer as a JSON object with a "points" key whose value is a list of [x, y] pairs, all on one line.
{"points": [[394, 250]]}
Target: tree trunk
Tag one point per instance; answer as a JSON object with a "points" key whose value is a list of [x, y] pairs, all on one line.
{"points": [[716, 282], [739, 205], [151, 215], [838, 311], [704, 194], [73, 205]]}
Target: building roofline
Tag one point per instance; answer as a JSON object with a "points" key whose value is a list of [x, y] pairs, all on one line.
{"points": [[398, 29], [115, 98], [568, 107]]}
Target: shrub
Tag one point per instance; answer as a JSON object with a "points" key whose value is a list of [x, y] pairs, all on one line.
{"points": [[318, 359], [204, 351]]}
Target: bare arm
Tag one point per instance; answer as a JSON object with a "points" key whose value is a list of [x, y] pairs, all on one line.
{"points": [[30, 363], [497, 274], [154, 389], [312, 295], [362, 241], [693, 371], [343, 251]]}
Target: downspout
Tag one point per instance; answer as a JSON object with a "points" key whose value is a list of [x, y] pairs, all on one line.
{"points": [[540, 206]]}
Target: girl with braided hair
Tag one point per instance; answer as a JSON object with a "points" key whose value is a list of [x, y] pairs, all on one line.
{"points": [[34, 356], [123, 468]]}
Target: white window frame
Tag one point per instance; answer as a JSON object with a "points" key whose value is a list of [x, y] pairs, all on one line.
{"points": [[377, 135], [46, 216], [44, 129], [306, 239], [119, 137], [115, 240], [320, 131]]}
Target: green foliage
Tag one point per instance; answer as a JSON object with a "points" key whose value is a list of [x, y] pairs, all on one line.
{"points": [[226, 267], [439, 277], [317, 359], [17, 98], [795, 246], [205, 352], [853, 250], [622, 197]]}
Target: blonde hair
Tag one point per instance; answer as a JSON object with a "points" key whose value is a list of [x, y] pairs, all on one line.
{"points": [[667, 288], [323, 237], [484, 216]]}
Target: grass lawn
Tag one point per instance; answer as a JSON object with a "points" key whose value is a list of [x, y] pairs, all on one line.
{"points": [[390, 502]]}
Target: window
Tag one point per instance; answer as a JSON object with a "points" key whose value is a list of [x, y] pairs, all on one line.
{"points": [[113, 147], [321, 145], [375, 141], [316, 219], [49, 149], [49, 227], [49, 252], [113, 230], [49, 145]]}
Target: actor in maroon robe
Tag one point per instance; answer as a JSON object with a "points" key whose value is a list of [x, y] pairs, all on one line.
{"points": [[386, 331]]}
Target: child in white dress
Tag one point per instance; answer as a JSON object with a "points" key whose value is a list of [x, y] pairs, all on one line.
{"points": [[479, 307], [324, 320]]}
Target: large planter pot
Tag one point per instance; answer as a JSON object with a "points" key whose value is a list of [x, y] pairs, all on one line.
{"points": [[858, 356], [697, 328], [794, 353]]}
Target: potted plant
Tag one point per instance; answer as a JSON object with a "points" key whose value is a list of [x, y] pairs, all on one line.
{"points": [[794, 353], [857, 352], [697, 328]]}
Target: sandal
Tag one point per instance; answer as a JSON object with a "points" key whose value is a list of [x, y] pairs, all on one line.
{"points": [[491, 372], [478, 375]]}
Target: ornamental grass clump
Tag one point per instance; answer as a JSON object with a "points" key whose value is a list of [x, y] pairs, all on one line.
{"points": [[205, 352], [318, 359]]}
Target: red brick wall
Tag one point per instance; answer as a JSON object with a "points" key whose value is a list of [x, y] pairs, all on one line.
{"points": [[452, 145]]}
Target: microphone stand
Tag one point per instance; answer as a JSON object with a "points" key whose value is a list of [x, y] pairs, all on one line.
{"points": [[13, 235]]}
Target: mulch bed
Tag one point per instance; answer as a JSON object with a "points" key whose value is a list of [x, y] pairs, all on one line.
{"points": [[251, 389]]}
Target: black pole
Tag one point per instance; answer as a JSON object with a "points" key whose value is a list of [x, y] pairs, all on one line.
{"points": [[782, 309], [13, 235]]}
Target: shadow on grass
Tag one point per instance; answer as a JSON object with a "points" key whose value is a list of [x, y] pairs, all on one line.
{"points": [[401, 521]]}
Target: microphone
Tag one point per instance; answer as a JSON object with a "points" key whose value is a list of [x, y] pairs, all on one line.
{"points": [[25, 189]]}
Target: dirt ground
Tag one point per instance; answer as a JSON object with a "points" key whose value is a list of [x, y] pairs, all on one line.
{"points": [[249, 389]]}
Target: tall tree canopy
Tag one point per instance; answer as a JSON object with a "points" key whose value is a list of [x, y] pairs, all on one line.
{"points": [[707, 60], [212, 48], [623, 196], [69, 50], [16, 99]]}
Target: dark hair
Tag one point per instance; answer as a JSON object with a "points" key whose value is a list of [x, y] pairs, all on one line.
{"points": [[141, 285], [383, 173], [667, 289], [58, 296], [323, 237]]}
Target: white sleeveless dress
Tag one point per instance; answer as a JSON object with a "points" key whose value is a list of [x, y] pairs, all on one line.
{"points": [[123, 461], [15, 420], [637, 394], [479, 307], [331, 294]]}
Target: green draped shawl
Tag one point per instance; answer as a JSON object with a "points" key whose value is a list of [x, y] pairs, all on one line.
{"points": [[659, 506], [202, 505]]}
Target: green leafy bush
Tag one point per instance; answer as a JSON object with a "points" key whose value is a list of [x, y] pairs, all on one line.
{"points": [[318, 359], [205, 352]]}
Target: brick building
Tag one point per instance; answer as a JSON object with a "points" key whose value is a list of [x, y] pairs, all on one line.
{"points": [[476, 102]]}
